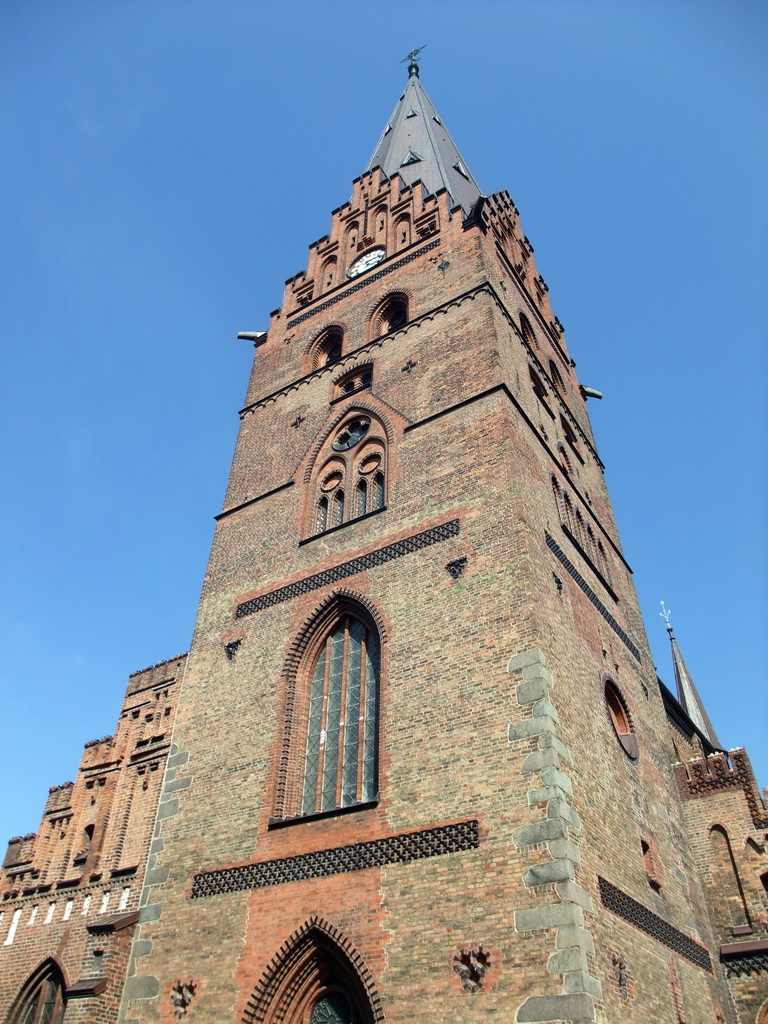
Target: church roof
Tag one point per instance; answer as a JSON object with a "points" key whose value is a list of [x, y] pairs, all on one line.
{"points": [[689, 697], [416, 145]]}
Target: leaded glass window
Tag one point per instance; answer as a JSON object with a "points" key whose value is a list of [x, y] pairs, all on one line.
{"points": [[340, 768], [332, 1008], [378, 487], [44, 1004]]}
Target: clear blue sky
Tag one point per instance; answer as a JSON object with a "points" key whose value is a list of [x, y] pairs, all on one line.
{"points": [[165, 165]]}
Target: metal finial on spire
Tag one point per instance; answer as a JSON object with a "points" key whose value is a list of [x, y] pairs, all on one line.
{"points": [[413, 67], [666, 614]]}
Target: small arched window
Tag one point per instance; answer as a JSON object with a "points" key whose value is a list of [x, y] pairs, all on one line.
{"points": [[42, 999], [403, 233], [602, 562], [564, 458], [340, 762], [527, 331], [538, 389], [328, 347], [558, 499], [328, 274], [392, 314], [557, 380], [570, 519]]}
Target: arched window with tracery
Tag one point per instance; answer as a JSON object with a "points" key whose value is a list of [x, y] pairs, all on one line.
{"points": [[340, 761], [351, 479], [42, 1000]]}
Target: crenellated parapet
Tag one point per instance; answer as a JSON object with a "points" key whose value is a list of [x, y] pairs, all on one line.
{"points": [[703, 776]]}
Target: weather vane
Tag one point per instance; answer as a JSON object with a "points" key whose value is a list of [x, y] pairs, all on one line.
{"points": [[413, 66], [666, 614]]}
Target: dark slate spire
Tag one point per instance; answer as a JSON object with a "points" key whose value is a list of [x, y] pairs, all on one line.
{"points": [[416, 145], [687, 693]]}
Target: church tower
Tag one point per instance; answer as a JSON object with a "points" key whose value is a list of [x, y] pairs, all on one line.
{"points": [[420, 767]]}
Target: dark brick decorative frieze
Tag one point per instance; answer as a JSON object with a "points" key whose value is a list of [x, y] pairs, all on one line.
{"points": [[341, 572], [362, 284], [718, 772], [574, 573], [755, 963], [397, 849], [624, 906]]}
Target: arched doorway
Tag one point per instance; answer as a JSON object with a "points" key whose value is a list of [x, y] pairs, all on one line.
{"points": [[318, 978]]}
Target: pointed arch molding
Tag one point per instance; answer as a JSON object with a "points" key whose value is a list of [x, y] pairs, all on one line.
{"points": [[357, 407], [316, 954], [50, 968]]}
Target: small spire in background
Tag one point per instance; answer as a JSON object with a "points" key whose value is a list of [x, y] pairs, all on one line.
{"points": [[413, 67], [687, 694]]}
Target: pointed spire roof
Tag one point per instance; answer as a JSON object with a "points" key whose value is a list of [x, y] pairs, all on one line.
{"points": [[416, 145], [687, 693]]}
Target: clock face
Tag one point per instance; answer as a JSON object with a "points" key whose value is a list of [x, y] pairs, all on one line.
{"points": [[366, 261]]}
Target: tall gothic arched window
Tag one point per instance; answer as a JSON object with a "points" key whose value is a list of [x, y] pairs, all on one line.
{"points": [[42, 1000], [340, 761]]}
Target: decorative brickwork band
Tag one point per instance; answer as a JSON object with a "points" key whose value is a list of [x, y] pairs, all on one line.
{"points": [[363, 284], [347, 569], [398, 849], [722, 771], [574, 573], [641, 917], [742, 964]]}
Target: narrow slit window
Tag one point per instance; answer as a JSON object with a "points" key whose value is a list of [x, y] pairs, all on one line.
{"points": [[362, 497]]}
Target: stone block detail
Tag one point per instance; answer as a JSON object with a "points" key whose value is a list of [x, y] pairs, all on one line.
{"points": [[572, 892], [552, 916], [545, 1009], [565, 848], [525, 658], [568, 961], [575, 936], [552, 777], [573, 943], [142, 987], [549, 872], [539, 759], [580, 981], [540, 832], [529, 727]]}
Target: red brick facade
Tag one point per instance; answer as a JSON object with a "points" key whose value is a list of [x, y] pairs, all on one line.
{"points": [[70, 893], [416, 575]]}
